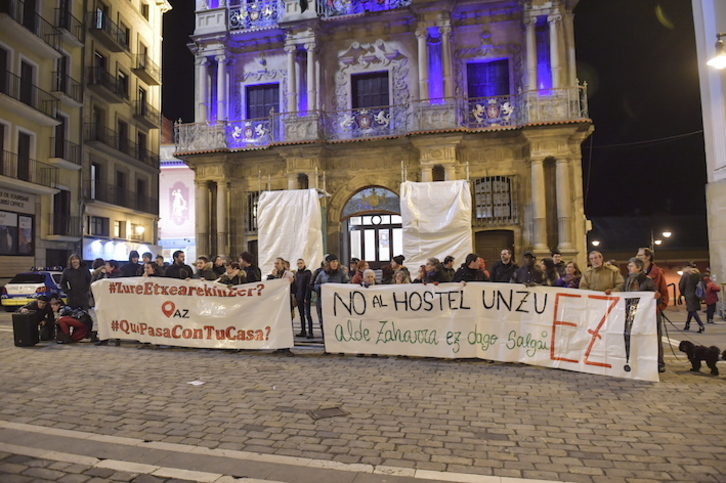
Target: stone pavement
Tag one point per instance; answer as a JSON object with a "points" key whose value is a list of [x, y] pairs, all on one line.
{"points": [[77, 413]]}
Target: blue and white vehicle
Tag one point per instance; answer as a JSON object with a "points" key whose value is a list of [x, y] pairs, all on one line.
{"points": [[28, 286]]}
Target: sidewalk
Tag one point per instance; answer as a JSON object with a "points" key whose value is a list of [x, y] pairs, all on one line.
{"points": [[129, 413]]}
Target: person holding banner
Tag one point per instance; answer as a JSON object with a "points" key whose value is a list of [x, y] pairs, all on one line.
{"points": [[601, 277], [388, 272], [234, 275], [331, 273], [654, 272], [253, 273], [529, 274], [369, 278], [469, 270], [448, 269], [503, 269], [179, 269]]}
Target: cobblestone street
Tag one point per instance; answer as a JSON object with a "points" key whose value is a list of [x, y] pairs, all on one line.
{"points": [[404, 419]]}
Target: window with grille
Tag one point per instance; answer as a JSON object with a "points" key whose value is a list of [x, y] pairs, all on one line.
{"points": [[253, 198], [488, 79], [494, 198], [369, 90], [262, 99]]}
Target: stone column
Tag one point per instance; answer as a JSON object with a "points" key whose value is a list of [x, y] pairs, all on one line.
{"points": [[423, 63], [202, 92], [291, 80], [539, 212], [445, 31], [555, 64], [426, 174], [564, 204], [221, 90], [312, 85], [201, 201], [449, 172], [531, 54], [222, 218]]}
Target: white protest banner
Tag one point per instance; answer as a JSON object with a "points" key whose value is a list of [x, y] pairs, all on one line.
{"points": [[195, 313], [578, 330]]}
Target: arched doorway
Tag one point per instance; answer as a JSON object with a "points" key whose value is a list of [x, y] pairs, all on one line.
{"points": [[372, 229]]}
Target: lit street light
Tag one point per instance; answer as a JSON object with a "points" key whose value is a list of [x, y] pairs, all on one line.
{"points": [[657, 241]]}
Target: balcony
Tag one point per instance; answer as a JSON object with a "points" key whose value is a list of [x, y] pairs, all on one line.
{"points": [[108, 193], [145, 114], [107, 32], [71, 28], [29, 171], [106, 85], [28, 100], [62, 226], [45, 36], [97, 135], [146, 70], [65, 154], [68, 90], [551, 106], [338, 8], [255, 15]]}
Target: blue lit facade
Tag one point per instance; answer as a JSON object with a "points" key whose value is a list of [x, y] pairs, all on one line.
{"points": [[350, 95]]}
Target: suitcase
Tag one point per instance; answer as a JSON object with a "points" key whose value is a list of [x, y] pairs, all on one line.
{"points": [[25, 329]]}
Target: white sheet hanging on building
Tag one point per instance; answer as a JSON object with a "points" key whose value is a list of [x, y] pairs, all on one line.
{"points": [[289, 225], [436, 221]]}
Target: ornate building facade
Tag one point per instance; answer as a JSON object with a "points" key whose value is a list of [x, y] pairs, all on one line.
{"points": [[353, 97]]}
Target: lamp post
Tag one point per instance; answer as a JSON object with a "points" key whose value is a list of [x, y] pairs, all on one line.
{"points": [[719, 60]]}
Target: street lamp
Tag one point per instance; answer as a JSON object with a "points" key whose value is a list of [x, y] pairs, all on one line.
{"points": [[595, 243], [657, 241], [719, 60]]}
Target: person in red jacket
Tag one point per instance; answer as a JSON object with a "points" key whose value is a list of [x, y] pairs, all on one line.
{"points": [[712, 290], [646, 254]]}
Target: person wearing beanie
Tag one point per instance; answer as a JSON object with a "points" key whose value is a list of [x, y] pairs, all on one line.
{"points": [[131, 269], [388, 272]]}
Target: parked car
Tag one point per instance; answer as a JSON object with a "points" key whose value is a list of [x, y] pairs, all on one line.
{"points": [[27, 286]]}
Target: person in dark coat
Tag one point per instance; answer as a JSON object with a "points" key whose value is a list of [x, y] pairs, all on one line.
{"points": [[219, 264], [234, 275], [529, 274], [131, 269], [503, 269], [179, 269], [76, 283], [687, 285], [447, 269], [469, 270], [45, 317], [388, 272], [302, 290], [252, 272], [204, 270], [331, 273]]}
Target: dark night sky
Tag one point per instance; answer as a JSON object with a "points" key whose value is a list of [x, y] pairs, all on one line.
{"points": [[639, 60]]}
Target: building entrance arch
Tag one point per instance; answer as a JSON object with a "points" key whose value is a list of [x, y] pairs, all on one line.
{"points": [[372, 229]]}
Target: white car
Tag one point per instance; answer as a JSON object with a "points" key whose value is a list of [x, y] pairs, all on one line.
{"points": [[28, 286]]}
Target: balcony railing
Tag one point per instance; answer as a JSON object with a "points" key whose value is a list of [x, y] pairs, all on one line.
{"points": [[108, 193], [29, 170], [337, 8], [65, 20], [68, 86], [255, 15], [64, 149], [108, 33], [121, 143], [430, 115], [145, 111], [147, 69], [27, 93], [32, 21], [64, 225], [97, 76]]}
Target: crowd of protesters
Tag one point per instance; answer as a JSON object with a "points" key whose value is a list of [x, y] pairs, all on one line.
{"points": [[71, 322]]}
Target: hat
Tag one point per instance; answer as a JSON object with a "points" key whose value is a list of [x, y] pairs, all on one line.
{"points": [[133, 254], [528, 253], [43, 298], [399, 259], [331, 257], [354, 260]]}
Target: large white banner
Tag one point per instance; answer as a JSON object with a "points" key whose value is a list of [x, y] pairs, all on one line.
{"points": [[289, 225], [578, 330], [436, 221], [195, 313]]}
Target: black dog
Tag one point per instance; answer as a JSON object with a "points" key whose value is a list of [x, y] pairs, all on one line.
{"points": [[698, 353]]}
